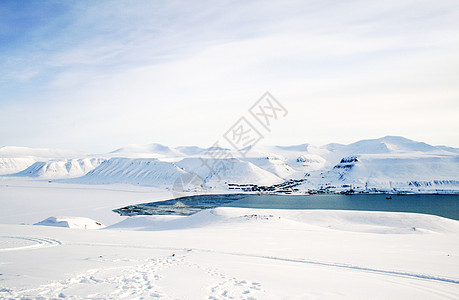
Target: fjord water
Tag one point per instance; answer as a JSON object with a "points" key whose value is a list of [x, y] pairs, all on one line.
{"points": [[440, 205]]}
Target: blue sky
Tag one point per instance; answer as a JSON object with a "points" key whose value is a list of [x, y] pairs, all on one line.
{"points": [[95, 75]]}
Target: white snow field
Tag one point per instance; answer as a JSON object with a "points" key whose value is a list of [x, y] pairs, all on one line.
{"points": [[222, 253]]}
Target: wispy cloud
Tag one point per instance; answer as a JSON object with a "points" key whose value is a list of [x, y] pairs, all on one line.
{"points": [[100, 74]]}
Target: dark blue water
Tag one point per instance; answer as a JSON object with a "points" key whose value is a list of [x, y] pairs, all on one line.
{"points": [[183, 206], [440, 205]]}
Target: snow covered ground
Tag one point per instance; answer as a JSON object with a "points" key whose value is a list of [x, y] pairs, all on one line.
{"points": [[223, 253], [29, 202]]}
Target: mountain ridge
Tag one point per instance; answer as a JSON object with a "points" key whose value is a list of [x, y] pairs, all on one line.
{"points": [[388, 163]]}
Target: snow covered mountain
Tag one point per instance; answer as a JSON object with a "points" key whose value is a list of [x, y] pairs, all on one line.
{"points": [[388, 144], [275, 165], [233, 170], [391, 163], [147, 151], [64, 168], [396, 172], [38, 153], [10, 165], [141, 171], [394, 164], [16, 159]]}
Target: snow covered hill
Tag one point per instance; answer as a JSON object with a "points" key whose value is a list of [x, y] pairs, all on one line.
{"points": [[393, 164]]}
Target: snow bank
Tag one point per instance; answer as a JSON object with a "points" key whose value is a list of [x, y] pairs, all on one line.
{"points": [[71, 222], [356, 221], [154, 223]]}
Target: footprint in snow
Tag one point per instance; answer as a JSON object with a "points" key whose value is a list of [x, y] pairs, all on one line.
{"points": [[234, 289]]}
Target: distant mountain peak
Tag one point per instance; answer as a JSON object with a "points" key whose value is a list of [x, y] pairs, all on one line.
{"points": [[19, 151]]}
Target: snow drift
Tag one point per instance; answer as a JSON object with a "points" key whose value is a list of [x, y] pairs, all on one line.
{"points": [[71, 222]]}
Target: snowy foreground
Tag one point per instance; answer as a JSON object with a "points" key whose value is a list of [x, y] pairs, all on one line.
{"points": [[224, 253]]}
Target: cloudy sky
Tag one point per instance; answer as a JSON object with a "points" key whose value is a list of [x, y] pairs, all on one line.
{"points": [[96, 75]]}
